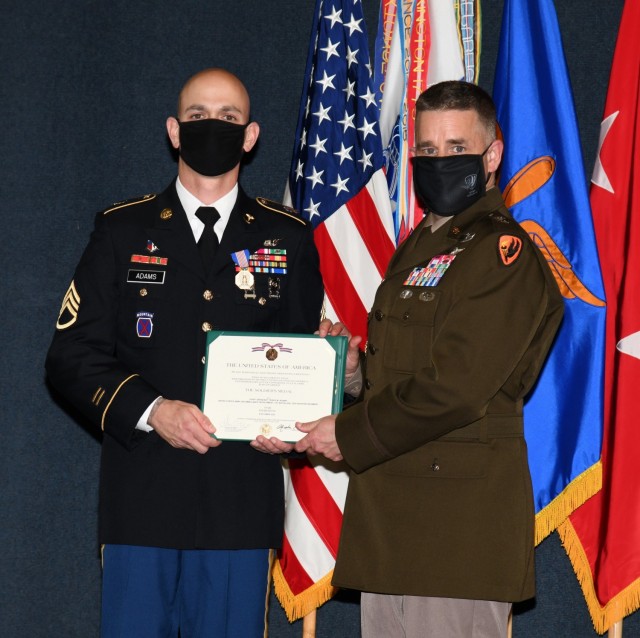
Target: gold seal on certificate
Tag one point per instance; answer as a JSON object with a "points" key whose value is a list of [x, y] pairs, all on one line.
{"points": [[263, 383]]}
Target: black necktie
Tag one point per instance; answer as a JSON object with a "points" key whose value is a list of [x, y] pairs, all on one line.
{"points": [[208, 242]]}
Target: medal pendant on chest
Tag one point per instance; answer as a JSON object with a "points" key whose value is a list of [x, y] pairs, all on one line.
{"points": [[245, 281]]}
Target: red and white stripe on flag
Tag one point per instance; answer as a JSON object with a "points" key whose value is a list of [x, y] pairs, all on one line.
{"points": [[355, 245], [315, 496], [338, 184]]}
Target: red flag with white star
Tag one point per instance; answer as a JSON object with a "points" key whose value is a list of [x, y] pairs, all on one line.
{"points": [[602, 537]]}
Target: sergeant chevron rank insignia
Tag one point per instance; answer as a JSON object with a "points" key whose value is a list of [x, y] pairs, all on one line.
{"points": [[69, 310]]}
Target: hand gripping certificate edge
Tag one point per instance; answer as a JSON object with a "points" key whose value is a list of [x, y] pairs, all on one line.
{"points": [[339, 345]]}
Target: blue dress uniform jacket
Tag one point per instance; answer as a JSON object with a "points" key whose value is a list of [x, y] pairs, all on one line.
{"points": [[440, 500], [133, 326]]}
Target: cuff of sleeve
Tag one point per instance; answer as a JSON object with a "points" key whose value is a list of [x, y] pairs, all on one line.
{"points": [[130, 399], [143, 421], [354, 439], [353, 386]]}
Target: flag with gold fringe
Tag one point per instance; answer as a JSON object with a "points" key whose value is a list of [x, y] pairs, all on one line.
{"points": [[544, 185], [337, 182], [602, 538]]}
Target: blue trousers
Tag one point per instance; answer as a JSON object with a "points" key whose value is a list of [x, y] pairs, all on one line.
{"points": [[149, 592]]}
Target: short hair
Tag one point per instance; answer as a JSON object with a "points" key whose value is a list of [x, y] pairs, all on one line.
{"points": [[455, 95]]}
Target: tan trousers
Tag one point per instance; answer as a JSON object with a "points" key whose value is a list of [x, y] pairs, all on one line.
{"points": [[386, 616]]}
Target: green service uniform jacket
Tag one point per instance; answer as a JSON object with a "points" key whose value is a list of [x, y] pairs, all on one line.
{"points": [[440, 500], [133, 326]]}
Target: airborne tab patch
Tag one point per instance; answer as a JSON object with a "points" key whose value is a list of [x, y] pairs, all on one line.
{"points": [[509, 247]]}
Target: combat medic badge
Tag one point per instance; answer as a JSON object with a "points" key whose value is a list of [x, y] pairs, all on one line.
{"points": [[244, 277]]}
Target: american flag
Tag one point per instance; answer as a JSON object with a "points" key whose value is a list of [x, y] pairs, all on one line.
{"points": [[336, 179], [338, 184]]}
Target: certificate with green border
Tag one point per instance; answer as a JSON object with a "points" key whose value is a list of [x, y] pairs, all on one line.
{"points": [[263, 383]]}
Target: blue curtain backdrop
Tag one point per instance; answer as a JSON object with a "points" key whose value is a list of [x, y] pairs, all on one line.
{"points": [[85, 88]]}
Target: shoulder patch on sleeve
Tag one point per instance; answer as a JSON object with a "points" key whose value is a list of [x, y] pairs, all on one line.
{"points": [[69, 309], [130, 202], [509, 248], [280, 208]]}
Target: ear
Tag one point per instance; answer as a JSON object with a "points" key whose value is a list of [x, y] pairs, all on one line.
{"points": [[173, 131], [251, 136], [493, 156]]}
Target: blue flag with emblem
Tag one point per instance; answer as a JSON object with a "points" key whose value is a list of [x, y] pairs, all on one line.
{"points": [[544, 185]]}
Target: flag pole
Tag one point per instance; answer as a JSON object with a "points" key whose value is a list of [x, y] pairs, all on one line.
{"points": [[615, 631], [510, 625], [309, 625]]}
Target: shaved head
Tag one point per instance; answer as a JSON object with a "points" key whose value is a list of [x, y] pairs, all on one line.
{"points": [[218, 84]]}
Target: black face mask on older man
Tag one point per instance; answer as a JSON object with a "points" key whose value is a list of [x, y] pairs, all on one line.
{"points": [[449, 185], [211, 147]]}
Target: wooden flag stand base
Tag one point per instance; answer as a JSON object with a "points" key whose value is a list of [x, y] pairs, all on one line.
{"points": [[309, 625]]}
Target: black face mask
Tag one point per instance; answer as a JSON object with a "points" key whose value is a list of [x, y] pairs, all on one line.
{"points": [[449, 185], [211, 147]]}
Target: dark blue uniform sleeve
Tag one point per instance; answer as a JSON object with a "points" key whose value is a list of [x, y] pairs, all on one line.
{"points": [[82, 361]]}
